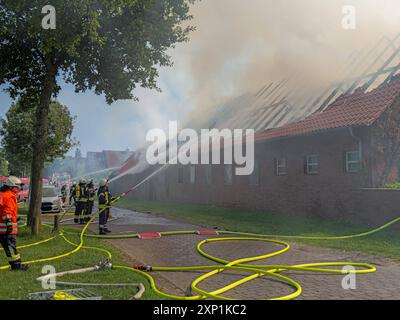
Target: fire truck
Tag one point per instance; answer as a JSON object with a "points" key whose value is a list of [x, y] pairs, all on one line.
{"points": [[23, 195]]}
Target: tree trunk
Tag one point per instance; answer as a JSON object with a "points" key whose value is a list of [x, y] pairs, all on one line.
{"points": [[39, 149]]}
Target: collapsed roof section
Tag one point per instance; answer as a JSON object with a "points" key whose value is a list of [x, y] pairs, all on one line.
{"points": [[283, 106], [279, 103], [353, 110]]}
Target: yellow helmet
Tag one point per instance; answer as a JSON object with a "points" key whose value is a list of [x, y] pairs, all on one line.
{"points": [[103, 182], [82, 180]]}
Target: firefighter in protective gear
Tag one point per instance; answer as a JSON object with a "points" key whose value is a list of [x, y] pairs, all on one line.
{"points": [[9, 222], [91, 195], [64, 193], [72, 194], [105, 200], [81, 198]]}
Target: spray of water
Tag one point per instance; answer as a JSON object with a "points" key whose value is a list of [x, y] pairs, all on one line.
{"points": [[96, 172]]}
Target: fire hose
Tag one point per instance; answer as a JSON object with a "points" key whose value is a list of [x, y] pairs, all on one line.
{"points": [[256, 271]]}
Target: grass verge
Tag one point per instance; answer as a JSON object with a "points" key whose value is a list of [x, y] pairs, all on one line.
{"points": [[17, 285], [384, 244]]}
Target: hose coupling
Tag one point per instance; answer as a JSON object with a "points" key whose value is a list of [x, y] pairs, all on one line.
{"points": [[142, 268], [104, 265]]}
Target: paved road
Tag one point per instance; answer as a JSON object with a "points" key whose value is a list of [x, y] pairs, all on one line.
{"points": [[181, 251]]}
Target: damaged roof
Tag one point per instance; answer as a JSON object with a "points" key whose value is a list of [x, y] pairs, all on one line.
{"points": [[359, 108]]}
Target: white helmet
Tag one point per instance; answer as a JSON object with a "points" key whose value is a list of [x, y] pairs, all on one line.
{"points": [[82, 180], [103, 182], [13, 182]]}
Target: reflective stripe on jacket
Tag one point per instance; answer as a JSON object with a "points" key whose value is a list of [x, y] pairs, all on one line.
{"points": [[105, 198], [81, 193], [8, 211]]}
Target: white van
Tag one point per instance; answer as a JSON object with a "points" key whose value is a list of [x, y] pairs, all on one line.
{"points": [[51, 201]]}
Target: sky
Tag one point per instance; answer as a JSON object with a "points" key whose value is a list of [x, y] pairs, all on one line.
{"points": [[238, 47]]}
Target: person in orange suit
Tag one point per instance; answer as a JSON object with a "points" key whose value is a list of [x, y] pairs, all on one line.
{"points": [[9, 222]]}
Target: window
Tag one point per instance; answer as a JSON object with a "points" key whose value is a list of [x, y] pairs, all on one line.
{"points": [[353, 161], [228, 171], [280, 167], [312, 164], [208, 174], [180, 174], [254, 178], [49, 192], [192, 174]]}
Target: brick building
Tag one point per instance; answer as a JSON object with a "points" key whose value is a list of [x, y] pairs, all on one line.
{"points": [[329, 165]]}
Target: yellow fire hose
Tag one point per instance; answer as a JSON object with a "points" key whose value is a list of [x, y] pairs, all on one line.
{"points": [[256, 271], [60, 295]]}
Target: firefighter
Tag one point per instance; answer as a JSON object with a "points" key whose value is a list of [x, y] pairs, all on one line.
{"points": [[72, 194], [91, 191], [105, 200], [81, 201], [64, 193], [9, 222]]}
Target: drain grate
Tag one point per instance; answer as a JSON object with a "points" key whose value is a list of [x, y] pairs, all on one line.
{"points": [[71, 294]]}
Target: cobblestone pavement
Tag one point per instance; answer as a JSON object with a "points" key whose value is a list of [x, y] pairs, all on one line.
{"points": [[180, 250]]}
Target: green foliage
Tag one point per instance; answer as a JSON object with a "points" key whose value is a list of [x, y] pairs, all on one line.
{"points": [[3, 164], [24, 283], [17, 131], [108, 45], [395, 185]]}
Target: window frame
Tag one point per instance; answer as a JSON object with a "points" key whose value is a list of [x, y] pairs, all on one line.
{"points": [[280, 166], [309, 164], [350, 162]]}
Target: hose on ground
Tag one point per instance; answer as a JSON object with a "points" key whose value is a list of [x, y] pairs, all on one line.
{"points": [[243, 264]]}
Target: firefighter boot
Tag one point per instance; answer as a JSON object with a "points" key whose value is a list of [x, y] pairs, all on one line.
{"points": [[17, 265], [102, 232], [106, 230]]}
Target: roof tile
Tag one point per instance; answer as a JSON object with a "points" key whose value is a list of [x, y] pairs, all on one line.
{"points": [[353, 110]]}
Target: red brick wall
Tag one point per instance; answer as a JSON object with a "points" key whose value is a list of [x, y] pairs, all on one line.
{"points": [[332, 193]]}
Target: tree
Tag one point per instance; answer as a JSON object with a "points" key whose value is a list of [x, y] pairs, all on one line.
{"points": [[385, 146], [3, 164], [109, 46], [18, 129]]}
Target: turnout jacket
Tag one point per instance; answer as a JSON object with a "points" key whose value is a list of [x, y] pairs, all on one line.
{"points": [[8, 211], [81, 192], [91, 192], [104, 197]]}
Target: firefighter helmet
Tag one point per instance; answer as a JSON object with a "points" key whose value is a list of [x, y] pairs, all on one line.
{"points": [[103, 182], [82, 180], [13, 182]]}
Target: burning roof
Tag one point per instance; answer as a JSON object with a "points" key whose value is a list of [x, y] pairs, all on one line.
{"points": [[353, 110]]}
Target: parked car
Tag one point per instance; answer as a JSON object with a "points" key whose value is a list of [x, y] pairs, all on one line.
{"points": [[51, 202]]}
